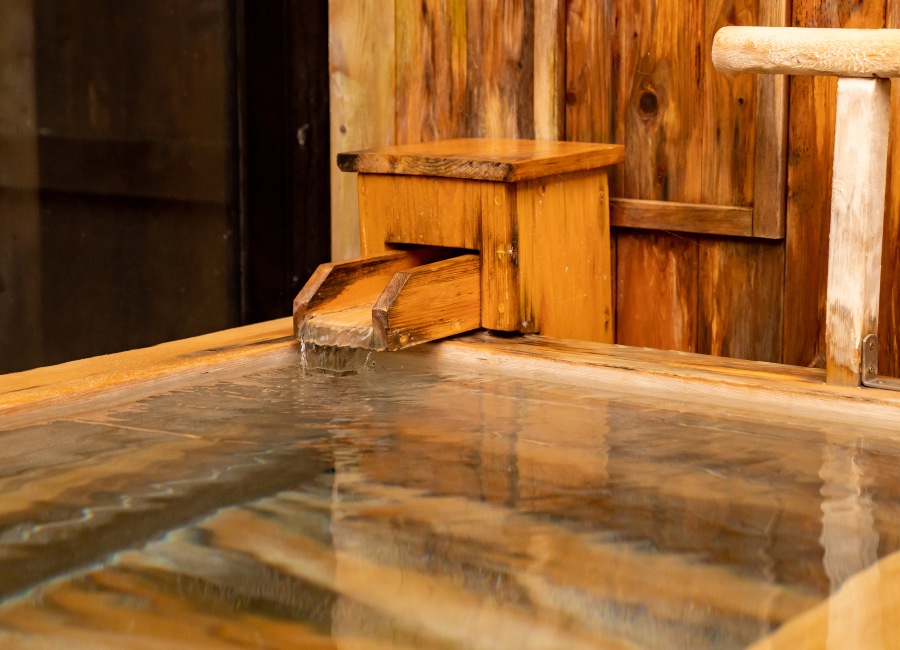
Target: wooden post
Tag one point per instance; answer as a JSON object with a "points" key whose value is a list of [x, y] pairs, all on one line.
{"points": [[857, 218], [864, 59]]}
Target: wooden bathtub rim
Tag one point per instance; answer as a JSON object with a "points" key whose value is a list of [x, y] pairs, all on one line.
{"points": [[101, 382]]}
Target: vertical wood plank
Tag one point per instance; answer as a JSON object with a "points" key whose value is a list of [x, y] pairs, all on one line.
{"points": [[656, 99], [770, 164], [431, 70], [20, 216], [423, 210], [362, 69], [741, 282], [590, 108], [500, 259], [564, 256], [857, 219], [810, 148], [740, 299], [549, 69], [500, 68], [663, 313], [889, 317]]}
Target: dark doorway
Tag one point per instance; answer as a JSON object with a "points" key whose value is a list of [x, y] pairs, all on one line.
{"points": [[163, 169]]}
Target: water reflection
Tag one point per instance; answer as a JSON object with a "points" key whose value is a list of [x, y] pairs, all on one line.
{"points": [[430, 507]]}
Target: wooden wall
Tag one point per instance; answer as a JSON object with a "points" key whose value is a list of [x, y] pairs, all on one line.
{"points": [[721, 209], [20, 260]]}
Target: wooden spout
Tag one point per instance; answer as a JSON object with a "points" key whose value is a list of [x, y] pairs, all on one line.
{"points": [[390, 301]]}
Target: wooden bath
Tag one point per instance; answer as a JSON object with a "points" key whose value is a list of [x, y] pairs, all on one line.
{"points": [[518, 492]]}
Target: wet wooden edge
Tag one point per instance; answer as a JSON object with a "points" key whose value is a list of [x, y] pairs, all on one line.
{"points": [[45, 393], [752, 388]]}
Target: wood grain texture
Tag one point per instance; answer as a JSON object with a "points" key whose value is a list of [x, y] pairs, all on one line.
{"points": [[690, 136], [351, 283], [549, 69], [129, 375], [741, 299], [857, 220], [500, 282], [431, 70], [564, 256], [889, 318], [770, 164], [500, 68], [487, 159], [798, 51], [811, 145], [591, 110], [521, 483], [659, 272], [429, 302], [418, 210], [682, 217], [362, 103]]}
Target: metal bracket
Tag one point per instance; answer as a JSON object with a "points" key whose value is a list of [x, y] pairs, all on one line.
{"points": [[870, 376]]}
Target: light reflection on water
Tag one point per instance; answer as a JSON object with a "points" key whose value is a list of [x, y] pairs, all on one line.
{"points": [[421, 506]]}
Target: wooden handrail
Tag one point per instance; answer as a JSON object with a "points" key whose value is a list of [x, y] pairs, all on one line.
{"points": [[808, 51]]}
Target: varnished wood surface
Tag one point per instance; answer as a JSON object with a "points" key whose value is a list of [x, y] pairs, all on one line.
{"points": [[563, 257], [487, 159], [681, 217], [485, 492], [808, 51], [429, 302], [543, 242]]}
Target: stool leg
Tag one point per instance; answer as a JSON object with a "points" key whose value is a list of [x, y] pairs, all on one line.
{"points": [[857, 220]]}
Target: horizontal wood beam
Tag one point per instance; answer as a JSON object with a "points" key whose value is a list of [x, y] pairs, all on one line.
{"points": [[808, 51], [681, 217]]}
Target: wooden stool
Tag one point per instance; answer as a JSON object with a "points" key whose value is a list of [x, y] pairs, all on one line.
{"points": [[865, 59], [510, 235]]}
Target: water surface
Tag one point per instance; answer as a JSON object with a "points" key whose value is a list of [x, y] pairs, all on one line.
{"points": [[424, 505]]}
